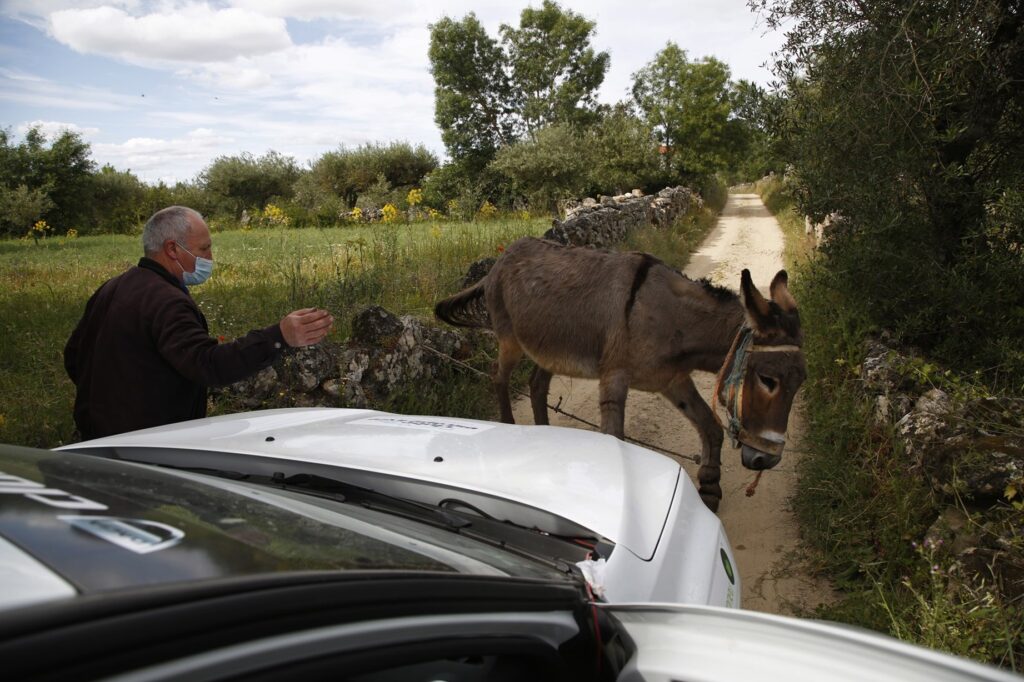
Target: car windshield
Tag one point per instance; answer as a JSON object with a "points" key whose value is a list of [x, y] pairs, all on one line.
{"points": [[105, 525]]}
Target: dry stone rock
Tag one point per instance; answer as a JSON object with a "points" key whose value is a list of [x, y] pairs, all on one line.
{"points": [[605, 221], [939, 435]]}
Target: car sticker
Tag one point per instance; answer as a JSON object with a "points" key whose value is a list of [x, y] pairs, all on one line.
{"points": [[137, 535], [728, 566], [462, 428]]}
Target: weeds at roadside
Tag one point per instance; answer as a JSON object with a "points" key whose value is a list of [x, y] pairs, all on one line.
{"points": [[868, 512]]}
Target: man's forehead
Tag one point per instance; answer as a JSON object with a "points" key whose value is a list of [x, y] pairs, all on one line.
{"points": [[198, 232]]}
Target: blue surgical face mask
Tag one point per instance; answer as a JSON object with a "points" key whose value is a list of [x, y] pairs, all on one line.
{"points": [[204, 268]]}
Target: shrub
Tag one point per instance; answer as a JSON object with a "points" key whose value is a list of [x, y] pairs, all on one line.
{"points": [[389, 214]]}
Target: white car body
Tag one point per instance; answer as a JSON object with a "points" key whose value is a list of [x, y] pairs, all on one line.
{"points": [[668, 546], [708, 644]]}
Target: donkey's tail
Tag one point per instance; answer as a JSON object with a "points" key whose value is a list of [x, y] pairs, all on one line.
{"points": [[466, 308]]}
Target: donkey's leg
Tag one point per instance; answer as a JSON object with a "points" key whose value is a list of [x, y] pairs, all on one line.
{"points": [[509, 353], [540, 383], [685, 396], [613, 387]]}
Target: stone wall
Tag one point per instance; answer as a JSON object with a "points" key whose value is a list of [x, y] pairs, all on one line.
{"points": [[969, 449], [940, 433], [606, 221], [386, 353]]}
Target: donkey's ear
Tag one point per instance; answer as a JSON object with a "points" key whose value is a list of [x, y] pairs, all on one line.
{"points": [[780, 292], [758, 309]]}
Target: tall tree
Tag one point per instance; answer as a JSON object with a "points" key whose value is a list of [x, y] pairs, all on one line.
{"points": [[346, 173], [490, 94], [472, 104], [908, 118], [687, 104], [751, 131], [555, 71], [119, 201], [60, 172]]}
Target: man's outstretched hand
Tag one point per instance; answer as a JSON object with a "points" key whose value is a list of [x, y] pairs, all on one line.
{"points": [[306, 327]]}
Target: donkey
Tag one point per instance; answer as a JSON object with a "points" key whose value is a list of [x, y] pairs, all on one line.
{"points": [[631, 321]]}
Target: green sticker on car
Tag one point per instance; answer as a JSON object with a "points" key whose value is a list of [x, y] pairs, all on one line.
{"points": [[728, 566]]}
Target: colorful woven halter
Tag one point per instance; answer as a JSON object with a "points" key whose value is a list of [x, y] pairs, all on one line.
{"points": [[736, 364]]}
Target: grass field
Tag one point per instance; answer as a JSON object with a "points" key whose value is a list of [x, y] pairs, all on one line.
{"points": [[260, 276]]}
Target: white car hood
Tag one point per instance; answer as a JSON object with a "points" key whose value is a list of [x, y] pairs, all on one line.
{"points": [[610, 487]]}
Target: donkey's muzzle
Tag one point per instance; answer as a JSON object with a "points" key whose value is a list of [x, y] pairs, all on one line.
{"points": [[757, 460]]}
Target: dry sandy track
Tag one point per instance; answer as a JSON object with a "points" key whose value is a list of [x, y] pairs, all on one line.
{"points": [[761, 528]]}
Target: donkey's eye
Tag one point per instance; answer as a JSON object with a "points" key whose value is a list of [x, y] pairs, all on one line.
{"points": [[768, 382]]}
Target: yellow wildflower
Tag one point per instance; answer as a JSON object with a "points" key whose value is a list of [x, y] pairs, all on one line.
{"points": [[487, 211]]}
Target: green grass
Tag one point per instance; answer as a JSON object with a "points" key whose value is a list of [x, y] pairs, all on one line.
{"points": [[675, 244], [260, 276]]}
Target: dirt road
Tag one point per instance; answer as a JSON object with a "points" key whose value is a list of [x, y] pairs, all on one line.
{"points": [[761, 528]]}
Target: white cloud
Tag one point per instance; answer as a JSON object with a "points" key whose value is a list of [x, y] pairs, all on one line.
{"points": [[383, 11], [20, 76], [237, 75], [331, 80], [53, 129], [150, 158], [190, 33], [35, 12]]}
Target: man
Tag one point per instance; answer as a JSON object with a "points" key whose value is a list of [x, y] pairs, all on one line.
{"points": [[142, 354]]}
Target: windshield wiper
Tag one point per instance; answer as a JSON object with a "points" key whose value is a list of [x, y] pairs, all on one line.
{"points": [[371, 499], [506, 535], [532, 543]]}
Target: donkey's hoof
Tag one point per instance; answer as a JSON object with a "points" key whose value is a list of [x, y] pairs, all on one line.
{"points": [[711, 501]]}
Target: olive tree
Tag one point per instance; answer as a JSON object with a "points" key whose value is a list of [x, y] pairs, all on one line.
{"points": [[908, 119], [687, 103]]}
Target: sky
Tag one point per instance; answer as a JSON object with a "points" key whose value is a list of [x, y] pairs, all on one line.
{"points": [[164, 87]]}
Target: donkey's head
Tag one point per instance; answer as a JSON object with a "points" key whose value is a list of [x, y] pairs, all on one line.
{"points": [[762, 373]]}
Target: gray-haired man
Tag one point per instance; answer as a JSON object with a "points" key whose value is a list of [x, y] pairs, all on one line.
{"points": [[142, 354]]}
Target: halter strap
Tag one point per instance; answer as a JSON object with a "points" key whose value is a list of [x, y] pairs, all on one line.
{"points": [[739, 354], [733, 383]]}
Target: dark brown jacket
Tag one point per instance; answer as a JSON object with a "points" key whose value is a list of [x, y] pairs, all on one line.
{"points": [[142, 354]]}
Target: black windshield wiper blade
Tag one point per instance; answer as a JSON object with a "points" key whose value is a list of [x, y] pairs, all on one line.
{"points": [[348, 492], [209, 471], [314, 484]]}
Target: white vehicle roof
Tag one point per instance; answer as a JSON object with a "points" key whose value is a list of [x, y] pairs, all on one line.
{"points": [[615, 489]]}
